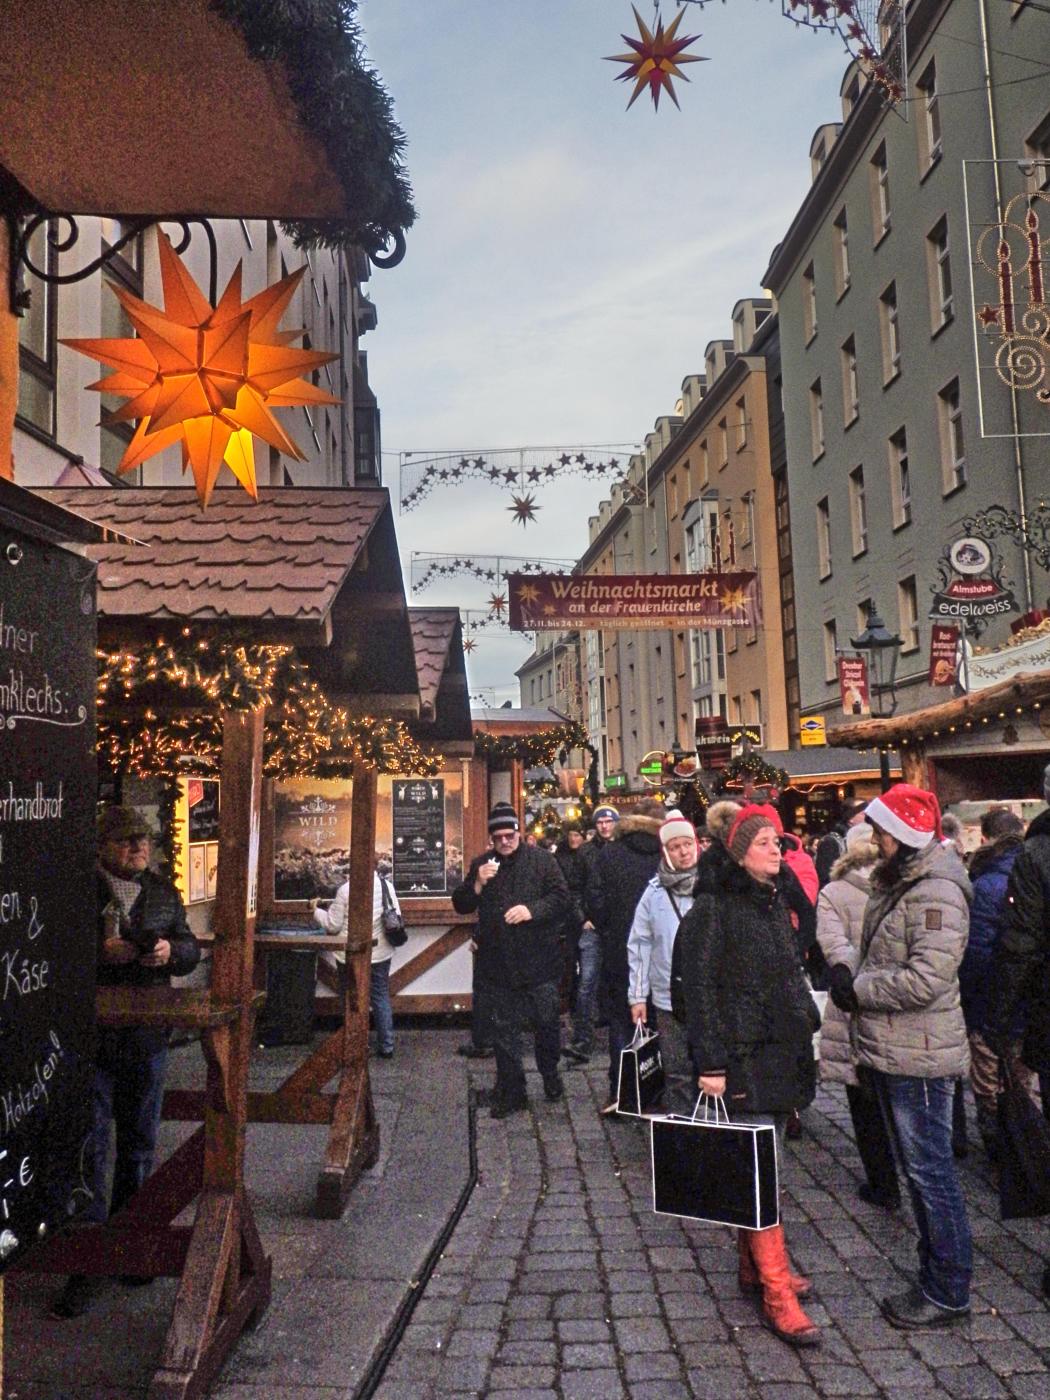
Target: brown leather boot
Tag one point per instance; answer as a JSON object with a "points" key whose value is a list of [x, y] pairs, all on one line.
{"points": [[780, 1306], [747, 1275]]}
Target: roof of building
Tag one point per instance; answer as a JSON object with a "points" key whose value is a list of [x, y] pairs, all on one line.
{"points": [[1029, 690], [444, 705], [822, 761]]}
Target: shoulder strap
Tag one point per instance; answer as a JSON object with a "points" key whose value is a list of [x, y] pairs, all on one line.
{"points": [[674, 903], [388, 903]]}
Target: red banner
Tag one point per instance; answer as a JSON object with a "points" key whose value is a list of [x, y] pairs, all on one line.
{"points": [[557, 602], [944, 663], [853, 685]]}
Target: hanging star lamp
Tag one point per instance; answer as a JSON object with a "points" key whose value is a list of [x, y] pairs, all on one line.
{"points": [[206, 376], [655, 59], [524, 508]]}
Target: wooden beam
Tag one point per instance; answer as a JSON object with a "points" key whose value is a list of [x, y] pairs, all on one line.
{"points": [[8, 361], [430, 956]]}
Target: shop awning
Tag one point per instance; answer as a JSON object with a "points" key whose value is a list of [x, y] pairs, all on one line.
{"points": [[444, 705], [829, 766], [312, 567], [1023, 693], [207, 107]]}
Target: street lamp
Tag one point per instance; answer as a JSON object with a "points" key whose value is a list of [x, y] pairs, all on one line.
{"points": [[881, 649]]}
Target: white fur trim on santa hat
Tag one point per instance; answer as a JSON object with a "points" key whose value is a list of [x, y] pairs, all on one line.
{"points": [[676, 825], [896, 824]]}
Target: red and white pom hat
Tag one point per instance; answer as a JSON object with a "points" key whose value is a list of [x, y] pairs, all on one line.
{"points": [[909, 814], [676, 825]]}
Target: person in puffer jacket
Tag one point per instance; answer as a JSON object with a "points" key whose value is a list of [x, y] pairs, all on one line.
{"points": [[902, 988], [840, 918]]}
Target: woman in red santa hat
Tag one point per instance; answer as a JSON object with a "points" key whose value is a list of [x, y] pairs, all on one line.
{"points": [[902, 990]]}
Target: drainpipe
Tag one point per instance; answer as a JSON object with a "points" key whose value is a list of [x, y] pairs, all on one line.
{"points": [[344, 479], [1022, 496]]}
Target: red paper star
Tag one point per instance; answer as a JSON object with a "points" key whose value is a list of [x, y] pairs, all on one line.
{"points": [[497, 603], [524, 509], [988, 315], [469, 644], [655, 59]]}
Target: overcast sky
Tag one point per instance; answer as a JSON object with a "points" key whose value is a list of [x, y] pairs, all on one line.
{"points": [[571, 259]]}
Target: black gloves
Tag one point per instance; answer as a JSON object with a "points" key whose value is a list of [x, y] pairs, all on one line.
{"points": [[841, 987]]}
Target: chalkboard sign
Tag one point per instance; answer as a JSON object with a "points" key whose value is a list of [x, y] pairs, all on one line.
{"points": [[418, 820], [47, 885], [202, 797]]}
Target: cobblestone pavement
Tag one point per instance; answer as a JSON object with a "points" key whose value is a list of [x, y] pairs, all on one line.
{"points": [[560, 1282]]}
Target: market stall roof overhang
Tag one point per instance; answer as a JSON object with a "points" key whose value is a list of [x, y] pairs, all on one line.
{"points": [[824, 766], [206, 107], [312, 567], [1029, 690], [444, 705], [516, 722]]}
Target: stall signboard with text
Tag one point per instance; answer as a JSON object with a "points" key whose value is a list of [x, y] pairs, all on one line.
{"points": [[47, 886], [944, 654], [311, 852], [559, 602], [853, 685], [418, 820]]}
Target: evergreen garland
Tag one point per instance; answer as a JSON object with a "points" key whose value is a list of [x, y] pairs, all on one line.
{"points": [[750, 767], [534, 750]]}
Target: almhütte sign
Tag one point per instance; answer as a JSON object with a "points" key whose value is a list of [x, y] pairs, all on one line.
{"points": [[556, 602]]}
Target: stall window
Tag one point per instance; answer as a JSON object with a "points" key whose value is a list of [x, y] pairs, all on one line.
{"points": [[197, 832]]}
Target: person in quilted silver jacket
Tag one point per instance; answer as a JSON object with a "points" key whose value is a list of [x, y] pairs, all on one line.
{"points": [[902, 990]]}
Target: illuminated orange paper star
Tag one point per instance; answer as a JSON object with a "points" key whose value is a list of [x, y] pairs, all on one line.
{"points": [[734, 599], [528, 593], [655, 59], [207, 377]]}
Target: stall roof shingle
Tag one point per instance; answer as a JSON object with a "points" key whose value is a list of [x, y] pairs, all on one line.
{"points": [[432, 633], [282, 558]]}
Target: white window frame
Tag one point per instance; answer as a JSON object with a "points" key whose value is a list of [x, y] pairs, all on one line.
{"points": [[831, 650], [931, 135], [818, 440], [942, 293], [890, 326], [900, 478], [840, 229], [850, 382], [809, 303], [908, 613], [953, 437], [881, 216], [824, 560], [858, 512]]}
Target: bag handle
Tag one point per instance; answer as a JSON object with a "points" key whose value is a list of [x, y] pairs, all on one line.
{"points": [[707, 1100], [642, 1034]]}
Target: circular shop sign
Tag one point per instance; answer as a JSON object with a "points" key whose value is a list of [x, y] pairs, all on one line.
{"points": [[970, 555]]}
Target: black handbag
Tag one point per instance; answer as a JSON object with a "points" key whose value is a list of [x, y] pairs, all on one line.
{"points": [[393, 924], [1024, 1152], [641, 1074], [714, 1170]]}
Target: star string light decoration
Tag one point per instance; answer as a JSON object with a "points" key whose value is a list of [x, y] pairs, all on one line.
{"points": [[497, 604], [524, 509], [206, 377], [655, 59]]}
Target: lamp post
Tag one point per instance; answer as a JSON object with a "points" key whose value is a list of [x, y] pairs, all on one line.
{"points": [[881, 650]]}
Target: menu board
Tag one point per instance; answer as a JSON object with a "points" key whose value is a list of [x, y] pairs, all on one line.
{"points": [[418, 820], [47, 885], [202, 799]]}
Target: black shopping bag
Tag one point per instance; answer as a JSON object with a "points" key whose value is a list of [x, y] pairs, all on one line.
{"points": [[641, 1074], [1024, 1153], [713, 1170]]}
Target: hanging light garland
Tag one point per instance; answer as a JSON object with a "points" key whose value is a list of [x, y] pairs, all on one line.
{"points": [[517, 468], [426, 568], [537, 750]]}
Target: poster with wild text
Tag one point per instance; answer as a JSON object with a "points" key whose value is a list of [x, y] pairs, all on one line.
{"points": [[311, 852], [48, 788]]}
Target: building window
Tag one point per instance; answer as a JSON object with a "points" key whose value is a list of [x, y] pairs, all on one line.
{"points": [[123, 271], [889, 330], [841, 237], [831, 651], [939, 268], [741, 424], [1037, 149], [705, 463], [953, 442], [880, 193], [756, 707], [672, 496], [809, 303], [824, 538], [900, 479], [850, 394], [816, 419], [930, 118], [723, 443], [858, 511], [36, 343], [908, 613]]}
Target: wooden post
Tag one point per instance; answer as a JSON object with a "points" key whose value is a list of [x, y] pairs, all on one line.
{"points": [[354, 1140], [8, 358]]}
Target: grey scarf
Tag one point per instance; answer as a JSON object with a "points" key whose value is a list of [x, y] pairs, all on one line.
{"points": [[676, 882]]}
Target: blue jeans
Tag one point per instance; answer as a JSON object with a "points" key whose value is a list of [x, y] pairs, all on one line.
{"points": [[127, 1089], [382, 1011], [918, 1114], [589, 957]]}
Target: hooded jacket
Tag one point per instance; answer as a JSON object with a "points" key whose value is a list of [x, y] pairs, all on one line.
{"points": [[748, 1009], [616, 878], [910, 1020], [989, 875], [840, 918], [516, 955], [1022, 957]]}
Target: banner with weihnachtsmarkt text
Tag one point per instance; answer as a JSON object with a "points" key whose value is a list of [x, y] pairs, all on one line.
{"points": [[557, 602]]}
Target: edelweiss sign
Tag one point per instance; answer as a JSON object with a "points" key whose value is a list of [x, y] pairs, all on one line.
{"points": [[555, 602]]}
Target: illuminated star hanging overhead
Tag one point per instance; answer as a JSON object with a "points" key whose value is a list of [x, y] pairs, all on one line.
{"points": [[497, 604], [206, 377], [469, 644], [524, 509], [655, 58]]}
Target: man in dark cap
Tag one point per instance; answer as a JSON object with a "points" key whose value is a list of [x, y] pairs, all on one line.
{"points": [[833, 843], [522, 901], [143, 941]]}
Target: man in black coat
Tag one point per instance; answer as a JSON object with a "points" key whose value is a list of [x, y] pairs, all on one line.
{"points": [[143, 941], [616, 879], [522, 903], [1021, 966]]}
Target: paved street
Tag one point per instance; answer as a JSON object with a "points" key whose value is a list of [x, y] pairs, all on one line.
{"points": [[558, 1282]]}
